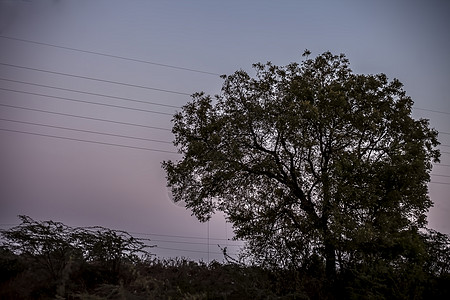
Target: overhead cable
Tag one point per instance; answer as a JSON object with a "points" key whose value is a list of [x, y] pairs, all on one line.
{"points": [[112, 56], [83, 117], [134, 100], [133, 147], [87, 131], [440, 165], [95, 79], [444, 183], [87, 141], [438, 175], [91, 94], [185, 250], [88, 102], [191, 243], [431, 110], [163, 235], [180, 236]]}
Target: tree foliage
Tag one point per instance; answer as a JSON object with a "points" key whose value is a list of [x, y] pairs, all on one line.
{"points": [[310, 162]]}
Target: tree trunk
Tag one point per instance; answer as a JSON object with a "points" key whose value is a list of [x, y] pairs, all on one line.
{"points": [[330, 261], [330, 249]]}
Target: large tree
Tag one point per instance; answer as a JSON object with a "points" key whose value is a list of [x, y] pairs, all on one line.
{"points": [[308, 161]]}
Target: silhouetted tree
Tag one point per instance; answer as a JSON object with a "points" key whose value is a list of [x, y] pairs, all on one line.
{"points": [[48, 244], [54, 251], [309, 161]]}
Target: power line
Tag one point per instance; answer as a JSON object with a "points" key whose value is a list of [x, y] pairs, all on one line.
{"points": [[161, 235], [441, 165], [190, 243], [147, 62], [63, 98], [166, 241], [112, 56], [430, 110], [185, 250], [435, 182], [179, 242], [83, 117], [95, 79], [438, 175], [102, 120], [178, 236], [124, 84], [87, 131], [91, 94], [112, 105], [88, 102], [95, 132], [108, 96], [87, 141]]}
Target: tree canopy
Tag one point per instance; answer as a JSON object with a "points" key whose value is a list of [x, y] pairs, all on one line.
{"points": [[310, 162]]}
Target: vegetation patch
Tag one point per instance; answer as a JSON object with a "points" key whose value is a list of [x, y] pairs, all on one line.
{"points": [[44, 260]]}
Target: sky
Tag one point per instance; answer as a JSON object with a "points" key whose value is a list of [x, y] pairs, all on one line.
{"points": [[88, 90]]}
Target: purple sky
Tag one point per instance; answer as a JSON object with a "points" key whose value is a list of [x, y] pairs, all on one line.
{"points": [[84, 184]]}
